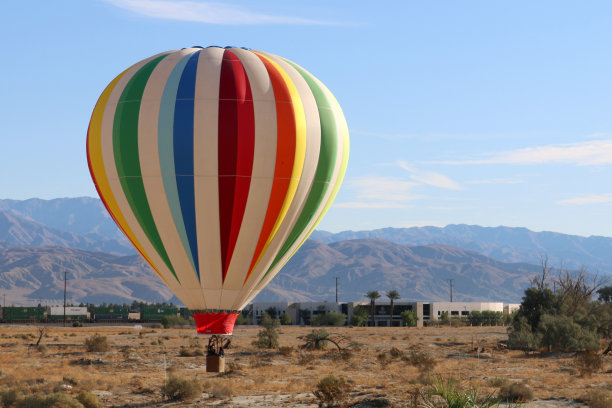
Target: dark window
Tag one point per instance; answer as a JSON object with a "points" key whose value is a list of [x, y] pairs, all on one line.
{"points": [[465, 313], [454, 313], [426, 309]]}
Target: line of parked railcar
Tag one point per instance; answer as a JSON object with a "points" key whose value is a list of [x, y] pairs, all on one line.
{"points": [[93, 314]]}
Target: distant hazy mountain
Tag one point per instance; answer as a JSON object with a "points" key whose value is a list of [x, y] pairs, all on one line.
{"points": [[28, 274], [18, 231], [502, 243], [81, 215], [87, 217], [417, 272]]}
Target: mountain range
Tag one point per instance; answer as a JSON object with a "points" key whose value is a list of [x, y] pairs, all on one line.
{"points": [[42, 239]]}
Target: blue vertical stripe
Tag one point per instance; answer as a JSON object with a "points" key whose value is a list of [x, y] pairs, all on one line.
{"points": [[166, 152], [183, 152]]}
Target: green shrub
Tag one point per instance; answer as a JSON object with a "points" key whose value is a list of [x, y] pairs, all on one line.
{"points": [[520, 336], [242, 319], [88, 399], [332, 391], [285, 319], [456, 397], [77, 324], [315, 340], [267, 339], [360, 316], [268, 336], [563, 333], [97, 343], [516, 392], [409, 318], [180, 389]]}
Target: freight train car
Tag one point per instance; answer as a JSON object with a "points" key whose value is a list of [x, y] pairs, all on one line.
{"points": [[154, 313], [23, 314], [104, 314], [56, 314]]}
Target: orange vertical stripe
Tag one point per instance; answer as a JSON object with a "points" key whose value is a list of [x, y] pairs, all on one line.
{"points": [[285, 155]]}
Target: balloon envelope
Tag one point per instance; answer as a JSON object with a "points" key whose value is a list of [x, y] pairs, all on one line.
{"points": [[217, 164]]}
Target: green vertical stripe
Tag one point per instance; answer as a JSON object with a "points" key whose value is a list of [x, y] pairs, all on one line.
{"points": [[125, 146], [325, 165]]}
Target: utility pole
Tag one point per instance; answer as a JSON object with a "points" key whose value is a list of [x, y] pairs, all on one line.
{"points": [[336, 289], [65, 278], [451, 282]]}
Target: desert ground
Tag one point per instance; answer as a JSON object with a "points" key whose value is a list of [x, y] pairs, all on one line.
{"points": [[133, 370]]}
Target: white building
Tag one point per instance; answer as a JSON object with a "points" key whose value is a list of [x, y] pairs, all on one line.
{"points": [[463, 309]]}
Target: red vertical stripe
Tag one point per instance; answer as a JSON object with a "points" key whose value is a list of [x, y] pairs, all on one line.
{"points": [[236, 149], [285, 156]]}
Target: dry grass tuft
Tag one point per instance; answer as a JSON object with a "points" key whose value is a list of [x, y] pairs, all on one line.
{"points": [[97, 343], [588, 363], [180, 389], [516, 392]]}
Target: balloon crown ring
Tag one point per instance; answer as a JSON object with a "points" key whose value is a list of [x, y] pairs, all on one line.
{"points": [[218, 46]]}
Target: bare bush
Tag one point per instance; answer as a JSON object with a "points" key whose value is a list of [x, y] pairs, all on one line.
{"points": [[588, 362], [423, 361], [516, 392], [97, 343], [332, 391], [180, 389]]}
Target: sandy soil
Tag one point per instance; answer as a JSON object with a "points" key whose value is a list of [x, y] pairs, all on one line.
{"points": [[132, 372]]}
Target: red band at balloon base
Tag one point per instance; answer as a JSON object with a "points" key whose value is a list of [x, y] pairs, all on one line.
{"points": [[215, 323]]}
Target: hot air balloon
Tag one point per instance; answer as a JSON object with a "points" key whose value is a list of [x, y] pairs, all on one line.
{"points": [[217, 164]]}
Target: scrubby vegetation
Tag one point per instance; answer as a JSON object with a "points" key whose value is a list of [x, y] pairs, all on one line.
{"points": [[268, 336], [516, 392], [97, 343], [360, 316], [180, 389], [173, 321], [566, 319], [332, 391], [330, 319]]}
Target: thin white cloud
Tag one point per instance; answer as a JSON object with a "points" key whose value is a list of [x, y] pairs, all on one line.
{"points": [[206, 12], [589, 153], [430, 178], [384, 136], [590, 199], [497, 181], [383, 188], [377, 205]]}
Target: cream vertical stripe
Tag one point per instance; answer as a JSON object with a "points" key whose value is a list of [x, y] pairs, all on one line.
{"points": [[206, 169], [148, 146]]}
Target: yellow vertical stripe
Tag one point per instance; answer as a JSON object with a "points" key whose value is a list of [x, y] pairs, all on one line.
{"points": [[300, 152], [94, 146]]}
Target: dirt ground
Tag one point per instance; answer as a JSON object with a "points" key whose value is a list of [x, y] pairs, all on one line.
{"points": [[134, 369]]}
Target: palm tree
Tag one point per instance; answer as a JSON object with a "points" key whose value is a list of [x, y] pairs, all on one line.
{"points": [[373, 295], [393, 295]]}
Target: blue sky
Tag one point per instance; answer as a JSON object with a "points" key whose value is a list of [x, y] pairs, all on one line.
{"points": [[477, 112]]}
